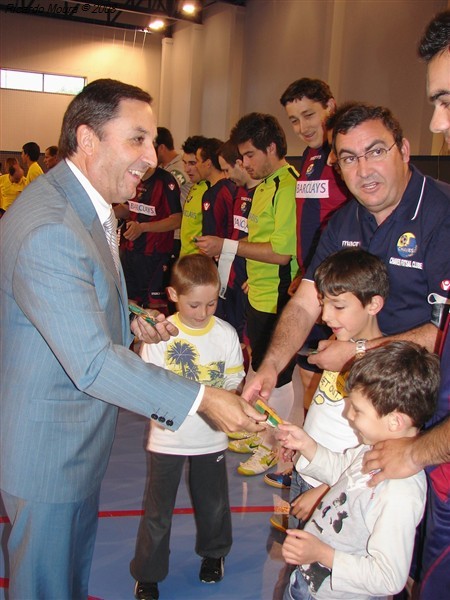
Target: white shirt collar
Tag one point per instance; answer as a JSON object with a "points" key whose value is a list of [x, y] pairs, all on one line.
{"points": [[102, 208]]}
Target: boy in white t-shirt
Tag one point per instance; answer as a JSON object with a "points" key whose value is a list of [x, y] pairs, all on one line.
{"points": [[352, 285], [359, 541], [207, 350]]}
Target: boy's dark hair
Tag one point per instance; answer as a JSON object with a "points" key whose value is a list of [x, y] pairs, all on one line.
{"points": [[96, 105], [32, 150], [209, 150], [164, 136], [436, 37], [359, 113], [399, 376], [353, 270], [193, 143], [261, 130], [193, 270], [229, 152], [314, 89]]}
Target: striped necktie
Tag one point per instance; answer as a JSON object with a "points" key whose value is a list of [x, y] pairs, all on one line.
{"points": [[110, 227]]}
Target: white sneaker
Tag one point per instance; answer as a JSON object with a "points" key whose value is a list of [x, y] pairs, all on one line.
{"points": [[246, 446], [261, 461]]}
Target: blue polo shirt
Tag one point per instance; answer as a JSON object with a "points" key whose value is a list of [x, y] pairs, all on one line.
{"points": [[413, 242]]}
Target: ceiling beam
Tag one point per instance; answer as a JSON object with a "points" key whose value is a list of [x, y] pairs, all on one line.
{"points": [[123, 14]]}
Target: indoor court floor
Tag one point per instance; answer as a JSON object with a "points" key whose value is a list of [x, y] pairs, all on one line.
{"points": [[254, 569]]}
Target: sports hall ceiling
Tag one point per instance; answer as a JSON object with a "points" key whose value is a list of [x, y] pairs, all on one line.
{"points": [[121, 14]]}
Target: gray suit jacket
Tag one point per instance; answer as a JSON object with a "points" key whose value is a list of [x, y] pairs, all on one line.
{"points": [[65, 366]]}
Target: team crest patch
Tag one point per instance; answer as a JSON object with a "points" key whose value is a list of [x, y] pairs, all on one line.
{"points": [[445, 285], [310, 169], [171, 186], [407, 245], [206, 205]]}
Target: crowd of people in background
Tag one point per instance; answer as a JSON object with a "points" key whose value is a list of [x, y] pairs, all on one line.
{"points": [[257, 274], [17, 176]]}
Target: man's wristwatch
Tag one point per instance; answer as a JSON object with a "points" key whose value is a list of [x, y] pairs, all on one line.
{"points": [[361, 348]]}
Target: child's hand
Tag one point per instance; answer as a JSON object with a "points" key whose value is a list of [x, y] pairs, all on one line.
{"points": [[290, 436], [301, 547], [152, 334], [303, 506], [294, 438], [286, 455]]}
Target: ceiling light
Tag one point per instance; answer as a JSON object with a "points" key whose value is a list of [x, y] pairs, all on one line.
{"points": [[189, 8], [157, 25]]}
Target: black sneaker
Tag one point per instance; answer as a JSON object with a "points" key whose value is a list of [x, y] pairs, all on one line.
{"points": [[212, 569], [146, 590]]}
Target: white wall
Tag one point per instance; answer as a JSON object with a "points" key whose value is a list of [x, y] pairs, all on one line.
{"points": [[181, 97], [365, 49], [222, 58], [63, 47], [205, 72], [239, 60]]}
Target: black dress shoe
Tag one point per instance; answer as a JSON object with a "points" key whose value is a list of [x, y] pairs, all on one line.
{"points": [[146, 590]]}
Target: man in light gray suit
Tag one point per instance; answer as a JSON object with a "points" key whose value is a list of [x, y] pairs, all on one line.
{"points": [[65, 363]]}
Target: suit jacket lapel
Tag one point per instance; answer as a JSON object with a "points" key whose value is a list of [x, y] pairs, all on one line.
{"points": [[62, 178]]}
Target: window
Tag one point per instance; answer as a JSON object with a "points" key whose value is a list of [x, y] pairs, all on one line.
{"points": [[41, 82]]}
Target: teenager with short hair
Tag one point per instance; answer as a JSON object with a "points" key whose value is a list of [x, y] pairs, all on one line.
{"points": [[269, 251], [191, 221]]}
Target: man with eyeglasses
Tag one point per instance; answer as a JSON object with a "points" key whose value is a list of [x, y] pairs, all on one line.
{"points": [[397, 214], [431, 450]]}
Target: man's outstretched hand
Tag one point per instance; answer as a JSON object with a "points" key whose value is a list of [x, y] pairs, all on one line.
{"points": [[229, 412]]}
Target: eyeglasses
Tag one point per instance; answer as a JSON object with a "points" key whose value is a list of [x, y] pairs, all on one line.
{"points": [[372, 156]]}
